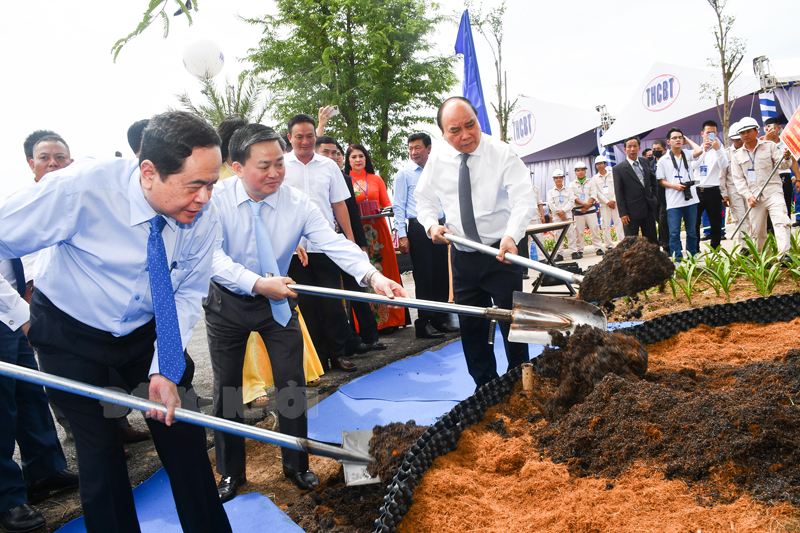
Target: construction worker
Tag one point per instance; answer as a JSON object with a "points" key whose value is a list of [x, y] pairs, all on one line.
{"points": [[606, 196], [730, 196], [751, 166], [560, 203], [585, 211]]}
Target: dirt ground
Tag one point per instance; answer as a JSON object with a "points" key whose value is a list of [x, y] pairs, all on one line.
{"points": [[706, 441]]}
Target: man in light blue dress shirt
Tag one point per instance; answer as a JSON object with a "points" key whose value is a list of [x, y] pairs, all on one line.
{"points": [[92, 309], [243, 286], [431, 276]]}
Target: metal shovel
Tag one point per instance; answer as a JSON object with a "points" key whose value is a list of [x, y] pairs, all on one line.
{"points": [[531, 316], [550, 270]]}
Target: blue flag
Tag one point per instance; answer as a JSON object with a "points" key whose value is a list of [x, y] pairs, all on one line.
{"points": [[472, 88]]}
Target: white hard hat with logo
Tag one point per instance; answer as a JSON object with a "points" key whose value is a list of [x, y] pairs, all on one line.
{"points": [[580, 164], [600, 159], [558, 173], [746, 123]]}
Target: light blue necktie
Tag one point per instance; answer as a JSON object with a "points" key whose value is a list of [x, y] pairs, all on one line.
{"points": [[266, 256], [171, 363]]}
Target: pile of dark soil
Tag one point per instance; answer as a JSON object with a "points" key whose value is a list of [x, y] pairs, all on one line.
{"points": [[336, 508], [634, 265], [581, 360], [389, 445], [734, 428]]}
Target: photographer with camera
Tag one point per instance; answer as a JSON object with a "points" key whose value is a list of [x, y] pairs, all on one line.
{"points": [[676, 175]]}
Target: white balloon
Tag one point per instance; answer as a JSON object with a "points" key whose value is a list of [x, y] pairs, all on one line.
{"points": [[203, 57]]}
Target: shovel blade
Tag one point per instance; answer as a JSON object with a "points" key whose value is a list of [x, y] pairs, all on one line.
{"points": [[356, 473], [533, 315]]}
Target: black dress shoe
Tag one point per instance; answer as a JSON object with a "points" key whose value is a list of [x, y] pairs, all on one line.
{"points": [[600, 251], [342, 363], [576, 255], [429, 332], [44, 488], [373, 346], [525, 275], [229, 486], [131, 434], [559, 257], [21, 519], [307, 480], [446, 328]]}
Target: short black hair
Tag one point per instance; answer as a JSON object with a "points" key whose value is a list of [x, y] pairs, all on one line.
{"points": [[647, 150], [32, 139], [634, 138], [439, 113], [300, 119], [46, 138], [713, 124], [661, 143], [170, 137], [247, 136], [673, 130], [227, 128], [771, 120], [419, 136], [135, 134], [368, 166], [324, 139]]}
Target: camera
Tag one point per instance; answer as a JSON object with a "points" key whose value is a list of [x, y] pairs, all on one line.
{"points": [[687, 192]]}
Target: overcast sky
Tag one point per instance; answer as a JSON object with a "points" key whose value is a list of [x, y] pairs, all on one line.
{"points": [[59, 72]]}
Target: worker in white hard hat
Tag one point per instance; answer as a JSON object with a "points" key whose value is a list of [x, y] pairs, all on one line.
{"points": [[606, 196], [560, 203], [735, 202], [751, 166], [585, 211]]}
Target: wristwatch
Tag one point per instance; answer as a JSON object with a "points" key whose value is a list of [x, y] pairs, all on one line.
{"points": [[368, 276]]}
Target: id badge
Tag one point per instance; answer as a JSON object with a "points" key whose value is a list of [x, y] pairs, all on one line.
{"points": [[583, 197], [704, 170], [561, 198], [751, 175], [605, 189]]}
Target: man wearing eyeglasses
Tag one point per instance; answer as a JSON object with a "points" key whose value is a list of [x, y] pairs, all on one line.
{"points": [[678, 177]]}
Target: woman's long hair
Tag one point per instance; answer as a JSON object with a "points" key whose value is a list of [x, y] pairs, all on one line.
{"points": [[368, 166]]}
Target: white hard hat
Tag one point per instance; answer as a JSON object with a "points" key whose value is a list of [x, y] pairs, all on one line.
{"points": [[600, 159], [745, 124], [734, 129], [580, 164], [558, 173]]}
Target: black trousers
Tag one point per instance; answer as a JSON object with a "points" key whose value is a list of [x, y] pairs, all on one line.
{"points": [[430, 271], [646, 224], [663, 226], [24, 418], [325, 318], [710, 201], [229, 321], [367, 325], [481, 280], [77, 351]]}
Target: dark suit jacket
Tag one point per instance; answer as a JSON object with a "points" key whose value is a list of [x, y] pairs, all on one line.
{"points": [[355, 214], [633, 200]]}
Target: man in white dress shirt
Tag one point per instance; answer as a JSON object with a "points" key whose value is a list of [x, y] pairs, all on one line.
{"points": [[710, 159], [249, 293], [487, 195], [321, 180]]}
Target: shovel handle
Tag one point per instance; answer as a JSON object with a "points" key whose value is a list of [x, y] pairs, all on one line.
{"points": [[184, 415], [495, 314], [550, 270]]}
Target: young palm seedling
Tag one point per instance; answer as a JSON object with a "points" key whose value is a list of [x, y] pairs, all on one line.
{"points": [[762, 269]]}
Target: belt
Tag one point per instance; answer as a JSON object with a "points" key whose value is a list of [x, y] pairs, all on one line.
{"points": [[244, 297], [441, 221]]}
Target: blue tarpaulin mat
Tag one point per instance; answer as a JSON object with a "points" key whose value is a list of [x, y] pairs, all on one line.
{"points": [[157, 514]]}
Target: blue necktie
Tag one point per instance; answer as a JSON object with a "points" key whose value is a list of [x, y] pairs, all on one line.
{"points": [[171, 363], [19, 273], [266, 256], [465, 202], [639, 173]]}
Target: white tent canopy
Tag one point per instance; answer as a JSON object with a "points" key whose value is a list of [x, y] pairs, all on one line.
{"points": [[669, 94], [540, 131]]}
